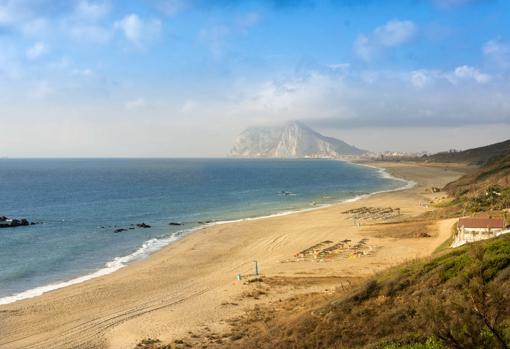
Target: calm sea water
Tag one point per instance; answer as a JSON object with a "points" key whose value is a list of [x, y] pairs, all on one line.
{"points": [[81, 202]]}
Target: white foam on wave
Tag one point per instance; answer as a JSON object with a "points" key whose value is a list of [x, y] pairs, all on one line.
{"points": [[278, 214], [117, 263], [385, 174], [152, 245]]}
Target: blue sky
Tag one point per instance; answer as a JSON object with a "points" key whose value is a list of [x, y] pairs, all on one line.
{"points": [[183, 77]]}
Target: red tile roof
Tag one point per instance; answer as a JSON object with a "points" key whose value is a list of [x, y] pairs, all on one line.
{"points": [[482, 222]]}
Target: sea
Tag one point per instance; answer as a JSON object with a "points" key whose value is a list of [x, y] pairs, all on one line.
{"points": [[80, 203]]}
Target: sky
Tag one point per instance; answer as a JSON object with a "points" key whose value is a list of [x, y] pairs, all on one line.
{"points": [[181, 78]]}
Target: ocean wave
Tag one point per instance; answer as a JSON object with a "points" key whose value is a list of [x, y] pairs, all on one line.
{"points": [[117, 263], [383, 173]]}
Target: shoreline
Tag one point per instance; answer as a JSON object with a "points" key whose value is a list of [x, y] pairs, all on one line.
{"points": [[190, 285], [147, 249]]}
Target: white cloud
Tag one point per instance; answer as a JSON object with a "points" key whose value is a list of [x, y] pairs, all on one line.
{"points": [[13, 13], [294, 98], [18, 16], [420, 78], [39, 49], [498, 53], [92, 33], [392, 34], [87, 22], [92, 10], [378, 98], [82, 72], [364, 48], [466, 72], [172, 7], [135, 104], [395, 33], [424, 77], [131, 26], [339, 66], [137, 30]]}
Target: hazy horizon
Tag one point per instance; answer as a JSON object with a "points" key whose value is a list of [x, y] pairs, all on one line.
{"points": [[182, 78]]}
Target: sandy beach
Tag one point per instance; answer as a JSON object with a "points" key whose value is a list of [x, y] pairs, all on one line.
{"points": [[191, 286]]}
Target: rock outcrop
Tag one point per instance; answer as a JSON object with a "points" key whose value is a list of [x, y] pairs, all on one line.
{"points": [[6, 222], [293, 140]]}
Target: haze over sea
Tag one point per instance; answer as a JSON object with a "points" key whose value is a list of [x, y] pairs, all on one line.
{"points": [[81, 202]]}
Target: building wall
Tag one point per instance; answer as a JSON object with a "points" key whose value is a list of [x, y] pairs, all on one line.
{"points": [[476, 234]]}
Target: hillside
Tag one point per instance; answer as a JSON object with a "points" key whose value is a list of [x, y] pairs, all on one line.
{"points": [[293, 140], [495, 172], [475, 156], [458, 300], [484, 188]]}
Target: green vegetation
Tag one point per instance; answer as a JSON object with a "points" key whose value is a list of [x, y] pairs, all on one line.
{"points": [[494, 198], [430, 343], [486, 189], [457, 300], [495, 172]]}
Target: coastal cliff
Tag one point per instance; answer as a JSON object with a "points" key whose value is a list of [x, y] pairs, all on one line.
{"points": [[293, 140]]}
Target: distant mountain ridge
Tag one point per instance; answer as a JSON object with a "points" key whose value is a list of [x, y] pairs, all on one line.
{"points": [[293, 140]]}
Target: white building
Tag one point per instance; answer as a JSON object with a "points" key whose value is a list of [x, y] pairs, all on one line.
{"points": [[476, 229]]}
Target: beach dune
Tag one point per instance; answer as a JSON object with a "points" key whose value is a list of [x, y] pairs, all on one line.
{"points": [[192, 284]]}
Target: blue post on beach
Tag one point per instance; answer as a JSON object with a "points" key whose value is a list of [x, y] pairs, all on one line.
{"points": [[256, 267]]}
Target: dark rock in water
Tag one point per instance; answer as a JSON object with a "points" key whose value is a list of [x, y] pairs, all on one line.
{"points": [[119, 230], [131, 228], [174, 223], [6, 222], [143, 225], [286, 193]]}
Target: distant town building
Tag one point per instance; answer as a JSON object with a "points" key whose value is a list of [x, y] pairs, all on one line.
{"points": [[476, 229], [393, 155]]}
